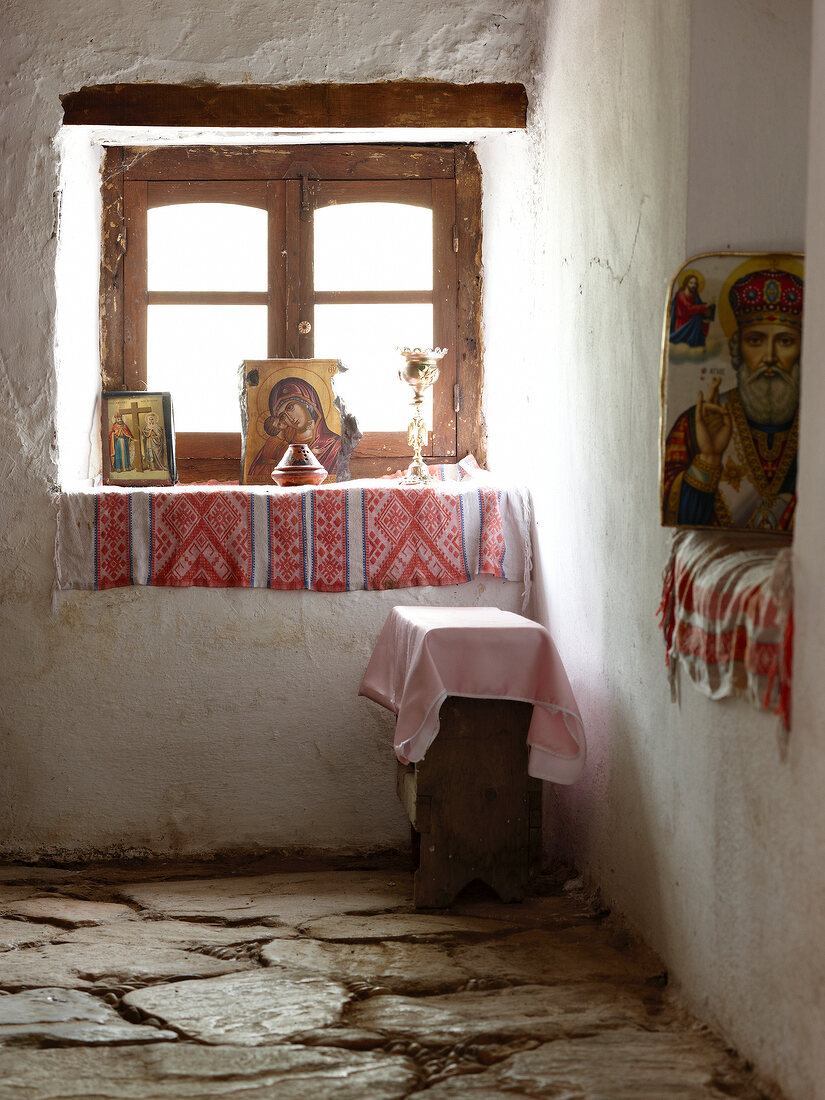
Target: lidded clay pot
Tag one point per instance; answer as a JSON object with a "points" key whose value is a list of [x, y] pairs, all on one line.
{"points": [[299, 466]]}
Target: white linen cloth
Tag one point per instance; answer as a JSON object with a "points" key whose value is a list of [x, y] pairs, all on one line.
{"points": [[424, 654]]}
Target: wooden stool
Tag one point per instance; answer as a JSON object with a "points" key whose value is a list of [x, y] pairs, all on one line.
{"points": [[475, 813]]}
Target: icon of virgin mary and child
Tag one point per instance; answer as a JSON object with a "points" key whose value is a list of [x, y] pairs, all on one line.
{"points": [[295, 416]]}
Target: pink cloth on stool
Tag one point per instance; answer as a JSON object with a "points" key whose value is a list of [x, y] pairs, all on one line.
{"points": [[424, 654]]}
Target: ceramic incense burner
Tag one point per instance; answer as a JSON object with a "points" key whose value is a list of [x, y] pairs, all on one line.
{"points": [[299, 466]]}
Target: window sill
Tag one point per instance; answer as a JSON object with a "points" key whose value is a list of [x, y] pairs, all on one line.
{"points": [[368, 535]]}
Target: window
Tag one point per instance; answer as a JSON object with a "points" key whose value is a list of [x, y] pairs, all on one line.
{"points": [[216, 255]]}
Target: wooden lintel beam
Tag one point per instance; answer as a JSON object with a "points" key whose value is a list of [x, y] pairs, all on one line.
{"points": [[305, 106]]}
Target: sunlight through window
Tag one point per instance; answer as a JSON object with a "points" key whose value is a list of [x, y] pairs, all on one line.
{"points": [[373, 246], [374, 249], [207, 246], [365, 339], [194, 352]]}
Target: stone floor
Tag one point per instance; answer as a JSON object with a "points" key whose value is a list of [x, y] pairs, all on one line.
{"points": [[327, 984]]}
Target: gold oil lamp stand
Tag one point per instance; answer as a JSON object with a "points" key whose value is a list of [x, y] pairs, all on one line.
{"points": [[420, 371]]}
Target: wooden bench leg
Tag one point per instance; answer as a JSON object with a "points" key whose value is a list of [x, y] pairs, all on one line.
{"points": [[475, 810]]}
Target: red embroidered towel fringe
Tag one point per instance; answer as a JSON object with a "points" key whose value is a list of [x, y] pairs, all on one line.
{"points": [[726, 614]]}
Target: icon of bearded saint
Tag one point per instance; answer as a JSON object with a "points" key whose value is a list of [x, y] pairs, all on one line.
{"points": [[730, 460], [296, 416]]}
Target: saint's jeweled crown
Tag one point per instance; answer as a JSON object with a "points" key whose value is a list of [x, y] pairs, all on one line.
{"points": [[770, 296]]}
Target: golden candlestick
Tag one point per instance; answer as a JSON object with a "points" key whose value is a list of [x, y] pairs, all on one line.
{"points": [[420, 370]]}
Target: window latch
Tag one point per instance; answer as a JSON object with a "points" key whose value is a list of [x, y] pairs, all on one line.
{"points": [[309, 189]]}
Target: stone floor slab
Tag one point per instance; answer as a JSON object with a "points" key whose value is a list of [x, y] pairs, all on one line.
{"points": [[407, 968], [243, 1009], [583, 953], [150, 934], [350, 1038], [500, 1015], [184, 1071], [70, 912], [287, 899], [238, 971], [115, 964], [11, 895], [401, 926], [23, 933], [558, 911], [619, 1065], [62, 1016]]}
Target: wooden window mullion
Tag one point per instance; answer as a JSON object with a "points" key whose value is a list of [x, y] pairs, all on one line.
{"points": [[293, 271], [175, 192], [134, 283], [469, 422], [306, 295], [444, 315], [206, 298], [372, 297], [111, 272], [276, 269]]}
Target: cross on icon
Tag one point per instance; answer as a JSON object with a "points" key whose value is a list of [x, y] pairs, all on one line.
{"points": [[132, 413]]}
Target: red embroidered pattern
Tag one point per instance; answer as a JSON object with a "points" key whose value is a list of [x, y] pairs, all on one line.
{"points": [[112, 540], [329, 545], [413, 538], [720, 649], [201, 539], [491, 551], [724, 623], [750, 605], [286, 542]]}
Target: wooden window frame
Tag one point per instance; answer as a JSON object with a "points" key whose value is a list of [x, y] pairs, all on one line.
{"points": [[286, 180]]}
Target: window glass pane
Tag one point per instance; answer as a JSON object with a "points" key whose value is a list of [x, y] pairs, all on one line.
{"points": [[373, 246], [365, 338], [207, 246], [194, 352]]}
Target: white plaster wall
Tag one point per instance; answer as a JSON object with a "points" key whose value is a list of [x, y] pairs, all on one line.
{"points": [[749, 75], [77, 297], [168, 722], [803, 818], [184, 722], [690, 818]]}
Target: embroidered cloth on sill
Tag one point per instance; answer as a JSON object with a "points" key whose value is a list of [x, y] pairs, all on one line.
{"points": [[446, 471], [357, 535], [424, 654], [727, 617]]}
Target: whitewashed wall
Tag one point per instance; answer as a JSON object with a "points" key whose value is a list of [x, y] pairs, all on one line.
{"points": [[660, 130], [153, 721], [748, 124], [188, 721], [797, 876]]}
